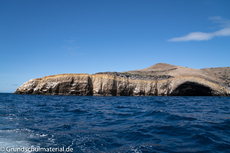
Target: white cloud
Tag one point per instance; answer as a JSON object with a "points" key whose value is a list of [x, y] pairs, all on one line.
{"points": [[223, 22], [198, 36], [222, 32], [201, 36]]}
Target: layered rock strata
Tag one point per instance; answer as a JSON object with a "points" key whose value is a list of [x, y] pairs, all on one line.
{"points": [[138, 76], [111, 85]]}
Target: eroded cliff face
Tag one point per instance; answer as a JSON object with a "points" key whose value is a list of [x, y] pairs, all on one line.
{"points": [[109, 85]]}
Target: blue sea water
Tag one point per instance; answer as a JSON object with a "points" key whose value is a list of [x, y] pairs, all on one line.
{"points": [[91, 124]]}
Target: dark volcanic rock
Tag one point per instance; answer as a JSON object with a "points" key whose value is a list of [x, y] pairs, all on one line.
{"points": [[140, 76]]}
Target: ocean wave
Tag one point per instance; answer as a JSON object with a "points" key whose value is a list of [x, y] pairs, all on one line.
{"points": [[116, 124]]}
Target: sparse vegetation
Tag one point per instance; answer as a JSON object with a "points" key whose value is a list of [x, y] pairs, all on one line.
{"points": [[127, 73]]}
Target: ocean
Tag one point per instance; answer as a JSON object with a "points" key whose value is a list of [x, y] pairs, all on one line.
{"points": [[91, 124]]}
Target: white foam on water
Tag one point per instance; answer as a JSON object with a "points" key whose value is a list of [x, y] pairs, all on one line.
{"points": [[10, 140]]}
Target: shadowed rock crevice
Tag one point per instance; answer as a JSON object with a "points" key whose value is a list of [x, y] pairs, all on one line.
{"points": [[192, 89], [90, 87], [114, 88]]}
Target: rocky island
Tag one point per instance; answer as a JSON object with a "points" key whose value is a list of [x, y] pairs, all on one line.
{"points": [[158, 80]]}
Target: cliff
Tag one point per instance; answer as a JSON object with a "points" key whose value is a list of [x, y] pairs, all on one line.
{"points": [[112, 85]]}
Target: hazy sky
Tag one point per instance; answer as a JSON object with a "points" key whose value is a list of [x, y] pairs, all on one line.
{"points": [[46, 37]]}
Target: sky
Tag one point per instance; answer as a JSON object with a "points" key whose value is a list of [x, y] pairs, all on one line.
{"points": [[40, 37]]}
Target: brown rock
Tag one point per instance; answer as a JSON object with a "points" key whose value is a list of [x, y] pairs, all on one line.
{"points": [[109, 85]]}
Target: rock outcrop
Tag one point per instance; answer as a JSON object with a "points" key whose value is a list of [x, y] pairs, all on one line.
{"points": [[178, 71], [137, 76], [112, 85], [222, 73]]}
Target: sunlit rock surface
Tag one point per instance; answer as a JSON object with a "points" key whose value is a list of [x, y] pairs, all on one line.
{"points": [[110, 85]]}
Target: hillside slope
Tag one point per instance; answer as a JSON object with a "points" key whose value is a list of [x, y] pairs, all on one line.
{"points": [[222, 73], [179, 71]]}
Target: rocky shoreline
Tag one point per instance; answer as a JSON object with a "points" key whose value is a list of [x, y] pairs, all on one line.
{"points": [[157, 80], [109, 85]]}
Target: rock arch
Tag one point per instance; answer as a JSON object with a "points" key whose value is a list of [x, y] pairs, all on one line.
{"points": [[192, 89]]}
